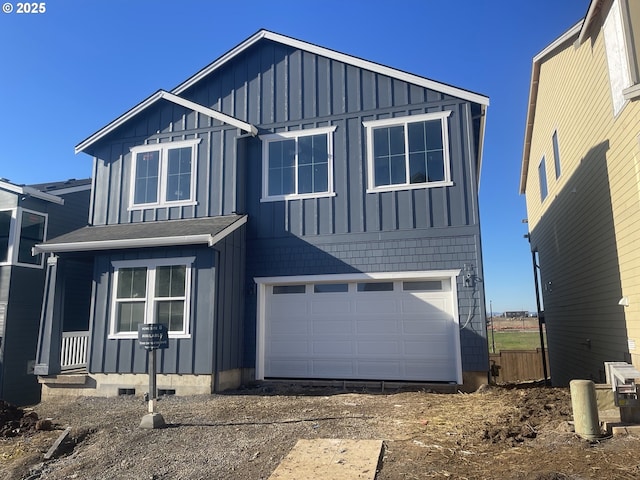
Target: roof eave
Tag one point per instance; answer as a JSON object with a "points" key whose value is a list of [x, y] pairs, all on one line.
{"points": [[148, 102], [533, 94], [31, 192]]}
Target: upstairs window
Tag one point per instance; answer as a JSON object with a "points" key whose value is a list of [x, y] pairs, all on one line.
{"points": [[298, 164], [163, 174], [542, 174], [20, 231], [409, 152], [151, 292]]}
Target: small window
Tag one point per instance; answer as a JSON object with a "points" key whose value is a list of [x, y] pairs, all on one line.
{"points": [[20, 231], [542, 173], [556, 153], [154, 291], [422, 285], [375, 287], [287, 289], [331, 288], [298, 164], [408, 152], [5, 230], [163, 174]]}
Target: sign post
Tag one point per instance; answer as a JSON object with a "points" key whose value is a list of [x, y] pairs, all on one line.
{"points": [[152, 336]]}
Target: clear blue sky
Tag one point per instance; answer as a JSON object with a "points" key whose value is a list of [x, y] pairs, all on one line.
{"points": [[69, 71]]}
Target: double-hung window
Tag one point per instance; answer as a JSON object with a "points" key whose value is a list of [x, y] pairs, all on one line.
{"points": [[298, 164], [408, 152], [163, 174], [20, 231], [153, 291]]}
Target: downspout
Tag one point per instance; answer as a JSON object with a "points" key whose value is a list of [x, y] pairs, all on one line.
{"points": [[540, 316]]}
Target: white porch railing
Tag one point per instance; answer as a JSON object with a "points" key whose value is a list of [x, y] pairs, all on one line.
{"points": [[74, 350]]}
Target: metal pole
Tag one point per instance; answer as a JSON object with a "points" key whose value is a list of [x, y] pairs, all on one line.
{"points": [[493, 333], [152, 380], [540, 316]]}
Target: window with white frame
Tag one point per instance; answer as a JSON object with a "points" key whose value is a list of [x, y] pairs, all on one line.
{"points": [[297, 164], [153, 291], [163, 174], [20, 231], [408, 152]]}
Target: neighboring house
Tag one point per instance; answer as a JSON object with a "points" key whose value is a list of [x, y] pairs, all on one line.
{"points": [[28, 216], [288, 212], [581, 178]]}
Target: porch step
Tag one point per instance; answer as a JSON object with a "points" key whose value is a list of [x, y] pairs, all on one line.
{"points": [[64, 379]]}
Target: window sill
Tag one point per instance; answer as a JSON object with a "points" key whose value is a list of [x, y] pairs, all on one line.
{"points": [[393, 188], [134, 336], [151, 206], [297, 197], [632, 93]]}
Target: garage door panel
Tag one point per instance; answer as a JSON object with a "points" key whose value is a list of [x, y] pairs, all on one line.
{"points": [[332, 347], [288, 346], [341, 325], [330, 305], [379, 325], [388, 335], [369, 305]]}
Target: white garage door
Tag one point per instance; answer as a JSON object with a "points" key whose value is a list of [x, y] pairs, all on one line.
{"points": [[369, 330]]}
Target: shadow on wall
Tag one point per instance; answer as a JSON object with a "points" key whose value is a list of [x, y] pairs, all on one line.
{"points": [[580, 274]]}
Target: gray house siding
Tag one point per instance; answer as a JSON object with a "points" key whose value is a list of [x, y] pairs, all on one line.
{"points": [[21, 291], [216, 313]]}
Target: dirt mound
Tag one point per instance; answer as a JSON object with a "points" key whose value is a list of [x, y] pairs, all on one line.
{"points": [[15, 421]]}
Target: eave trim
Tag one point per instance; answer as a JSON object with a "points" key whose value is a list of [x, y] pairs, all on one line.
{"points": [[334, 55], [31, 192], [159, 95]]}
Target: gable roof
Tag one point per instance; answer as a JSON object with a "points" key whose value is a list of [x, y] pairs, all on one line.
{"points": [[174, 97], [561, 42]]}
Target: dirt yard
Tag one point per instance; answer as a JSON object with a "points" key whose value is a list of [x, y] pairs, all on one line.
{"points": [[496, 433]]}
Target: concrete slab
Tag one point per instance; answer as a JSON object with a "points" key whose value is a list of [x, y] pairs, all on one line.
{"points": [[330, 459]]}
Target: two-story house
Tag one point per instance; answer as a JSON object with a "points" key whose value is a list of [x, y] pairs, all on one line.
{"points": [[288, 212], [580, 176], [28, 216]]}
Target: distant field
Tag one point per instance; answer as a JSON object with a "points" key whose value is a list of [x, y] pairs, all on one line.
{"points": [[513, 340]]}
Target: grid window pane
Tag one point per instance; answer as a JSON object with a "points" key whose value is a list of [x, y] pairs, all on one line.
{"points": [[179, 174], [171, 314], [281, 175], [389, 158], [146, 180], [435, 166], [313, 164], [170, 281], [132, 282], [129, 316]]}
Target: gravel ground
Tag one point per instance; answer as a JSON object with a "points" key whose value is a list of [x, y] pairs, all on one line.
{"points": [[496, 433]]}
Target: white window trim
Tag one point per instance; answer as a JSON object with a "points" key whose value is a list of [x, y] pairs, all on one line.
{"points": [[162, 173], [151, 265], [266, 139], [14, 237], [404, 121]]}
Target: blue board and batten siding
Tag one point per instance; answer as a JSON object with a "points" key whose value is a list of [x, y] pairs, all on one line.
{"points": [[216, 329], [278, 88]]}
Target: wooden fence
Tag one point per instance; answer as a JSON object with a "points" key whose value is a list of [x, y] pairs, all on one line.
{"points": [[517, 365]]}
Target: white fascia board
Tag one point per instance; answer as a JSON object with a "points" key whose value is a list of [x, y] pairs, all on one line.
{"points": [[68, 190], [123, 244], [32, 192], [231, 228], [354, 277], [196, 107], [594, 6], [533, 95], [163, 94], [340, 57]]}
